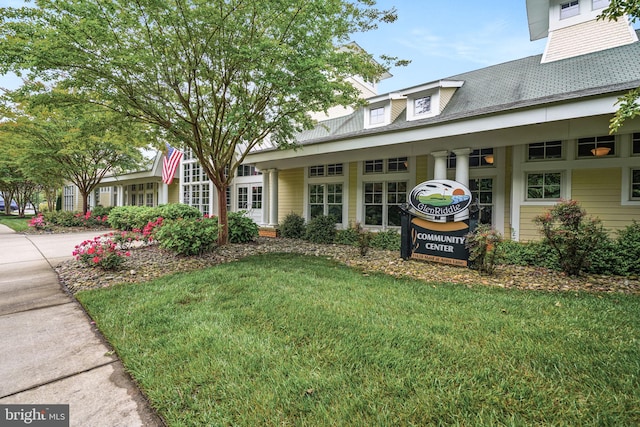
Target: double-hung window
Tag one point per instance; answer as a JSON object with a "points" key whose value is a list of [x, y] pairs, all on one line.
{"points": [[384, 194], [376, 116], [326, 191]]}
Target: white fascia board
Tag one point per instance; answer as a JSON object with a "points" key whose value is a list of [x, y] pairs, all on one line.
{"points": [[540, 115], [432, 85], [538, 17]]}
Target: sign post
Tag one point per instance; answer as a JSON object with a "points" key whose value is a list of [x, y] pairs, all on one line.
{"points": [[435, 222]]}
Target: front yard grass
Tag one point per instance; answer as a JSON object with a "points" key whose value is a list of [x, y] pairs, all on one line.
{"points": [[298, 340], [14, 222]]}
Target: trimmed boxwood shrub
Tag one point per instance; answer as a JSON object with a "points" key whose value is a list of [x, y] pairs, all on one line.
{"points": [[388, 240], [178, 210], [321, 229], [293, 226], [129, 218], [188, 236]]}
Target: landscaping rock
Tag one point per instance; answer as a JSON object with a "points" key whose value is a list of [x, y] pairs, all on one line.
{"points": [[150, 262]]}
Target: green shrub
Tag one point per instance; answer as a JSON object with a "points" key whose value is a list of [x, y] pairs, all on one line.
{"points": [[293, 227], [321, 229], [101, 211], [388, 240], [483, 244], [571, 234], [242, 229], [132, 217], [605, 258], [528, 253], [178, 210], [62, 219], [628, 249], [348, 236], [188, 236]]}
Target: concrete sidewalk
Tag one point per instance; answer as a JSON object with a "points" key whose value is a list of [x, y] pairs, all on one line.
{"points": [[50, 352]]}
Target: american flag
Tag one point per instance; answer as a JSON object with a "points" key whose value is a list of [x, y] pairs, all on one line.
{"points": [[169, 164]]}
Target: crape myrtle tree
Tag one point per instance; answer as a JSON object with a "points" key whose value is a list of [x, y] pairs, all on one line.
{"points": [[217, 77], [57, 137], [628, 104]]}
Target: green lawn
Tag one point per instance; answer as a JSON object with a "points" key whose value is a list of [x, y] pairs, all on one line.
{"points": [[294, 340], [16, 223]]}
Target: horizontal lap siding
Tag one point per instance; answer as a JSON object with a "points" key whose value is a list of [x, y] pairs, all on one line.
{"points": [[290, 192], [528, 229], [599, 193]]}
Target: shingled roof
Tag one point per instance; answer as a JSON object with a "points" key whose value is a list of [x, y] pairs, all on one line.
{"points": [[517, 84]]}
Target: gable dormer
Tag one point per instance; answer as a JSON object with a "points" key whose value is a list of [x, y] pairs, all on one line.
{"points": [[383, 110], [572, 28], [430, 99]]}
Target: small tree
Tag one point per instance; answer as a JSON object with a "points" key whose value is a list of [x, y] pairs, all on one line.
{"points": [[571, 234]]}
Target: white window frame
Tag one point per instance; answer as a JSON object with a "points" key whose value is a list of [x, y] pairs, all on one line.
{"points": [[569, 9], [544, 199], [385, 177], [599, 4], [326, 179], [384, 118]]}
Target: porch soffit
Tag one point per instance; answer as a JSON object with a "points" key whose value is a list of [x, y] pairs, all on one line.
{"points": [[443, 135]]}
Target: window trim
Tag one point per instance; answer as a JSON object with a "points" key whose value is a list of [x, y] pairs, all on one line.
{"points": [[597, 144], [569, 9], [545, 148], [544, 199]]}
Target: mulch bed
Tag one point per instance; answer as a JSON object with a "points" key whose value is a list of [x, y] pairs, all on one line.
{"points": [[149, 262]]}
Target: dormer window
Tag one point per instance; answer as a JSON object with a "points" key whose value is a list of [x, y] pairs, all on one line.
{"points": [[430, 99], [569, 9], [422, 105], [376, 116]]}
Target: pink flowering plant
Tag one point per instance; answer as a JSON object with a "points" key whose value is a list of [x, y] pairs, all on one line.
{"points": [[101, 252], [38, 222], [126, 239], [90, 220]]}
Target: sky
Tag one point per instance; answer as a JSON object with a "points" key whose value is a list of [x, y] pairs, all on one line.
{"points": [[440, 38]]}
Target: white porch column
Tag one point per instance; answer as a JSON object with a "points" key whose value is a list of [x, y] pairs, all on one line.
{"points": [[163, 194], [266, 196], [440, 167], [273, 197], [120, 195], [462, 165]]}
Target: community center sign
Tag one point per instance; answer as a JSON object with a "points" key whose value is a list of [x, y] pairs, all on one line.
{"points": [[439, 221]]}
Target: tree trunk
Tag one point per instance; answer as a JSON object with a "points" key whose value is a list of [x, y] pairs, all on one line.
{"points": [[85, 201], [223, 229]]}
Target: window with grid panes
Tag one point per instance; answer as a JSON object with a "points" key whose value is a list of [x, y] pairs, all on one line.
{"points": [[326, 199], [545, 150], [635, 184], [477, 158], [376, 116], [482, 190], [247, 170], [243, 198], [587, 145], [382, 201], [543, 185], [256, 197], [569, 9], [398, 164], [635, 144]]}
